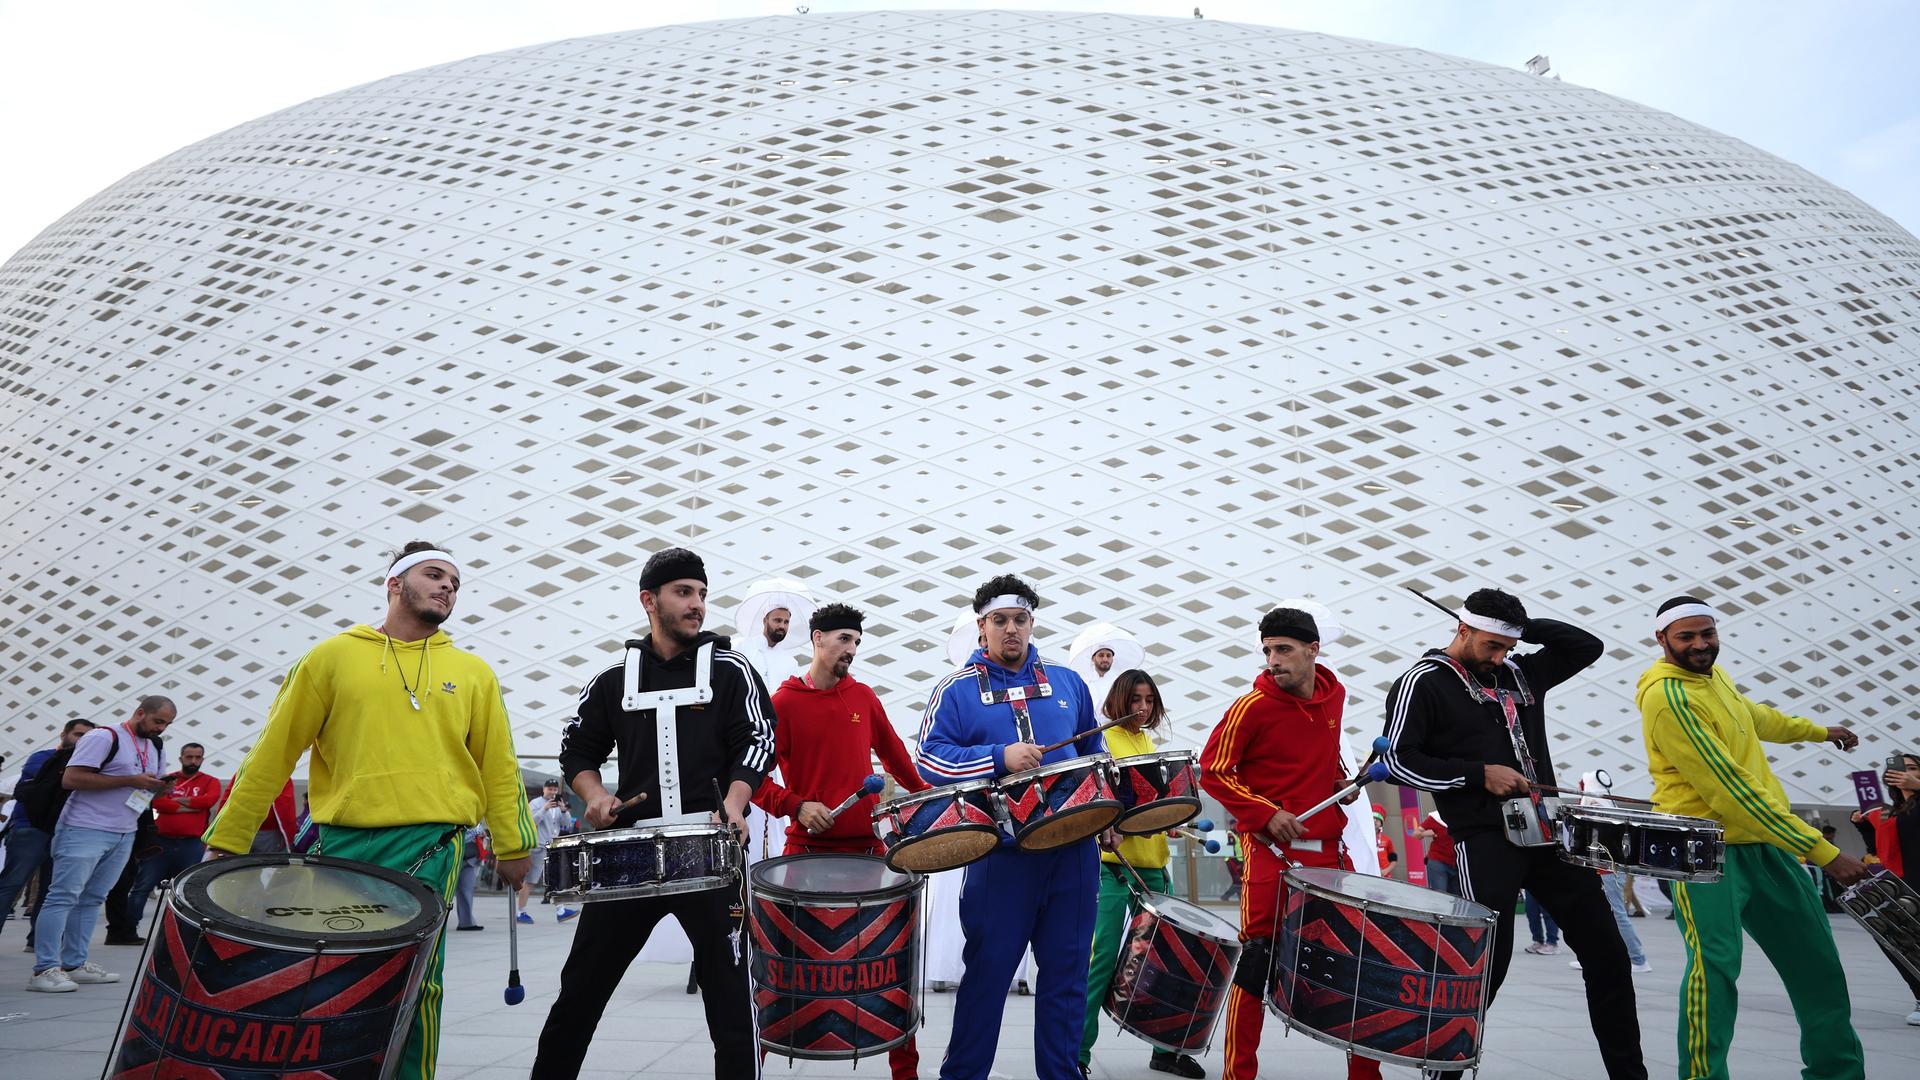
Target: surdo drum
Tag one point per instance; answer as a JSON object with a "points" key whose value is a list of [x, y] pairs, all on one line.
{"points": [[836, 955], [1384, 969], [1645, 842], [1054, 805], [1157, 791], [940, 828], [265, 966], [656, 860], [1175, 968]]}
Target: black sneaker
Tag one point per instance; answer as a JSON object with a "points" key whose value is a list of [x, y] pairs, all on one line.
{"points": [[1177, 1064], [125, 939], [475, 926]]}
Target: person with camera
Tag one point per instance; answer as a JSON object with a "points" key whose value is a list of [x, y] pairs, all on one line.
{"points": [[1896, 838], [114, 774], [551, 820]]}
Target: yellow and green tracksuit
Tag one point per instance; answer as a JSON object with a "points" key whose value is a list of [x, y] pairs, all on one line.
{"points": [[1704, 750], [388, 782], [1148, 855]]}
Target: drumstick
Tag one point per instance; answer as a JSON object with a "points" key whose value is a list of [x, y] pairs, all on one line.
{"points": [[1051, 747], [515, 992], [1212, 846], [1451, 614], [1373, 773], [870, 786], [1549, 789], [631, 803]]}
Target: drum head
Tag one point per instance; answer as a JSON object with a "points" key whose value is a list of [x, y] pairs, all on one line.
{"points": [[297, 899], [1067, 826], [1159, 815], [841, 877], [1355, 887], [946, 849], [1195, 918]]}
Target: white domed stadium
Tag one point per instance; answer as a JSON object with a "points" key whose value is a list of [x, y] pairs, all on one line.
{"points": [[1176, 317]]}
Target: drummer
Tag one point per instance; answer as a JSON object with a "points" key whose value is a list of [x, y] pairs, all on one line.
{"points": [[1277, 747], [1468, 723], [1135, 699], [410, 748], [726, 745], [1706, 755], [829, 727], [1013, 898]]}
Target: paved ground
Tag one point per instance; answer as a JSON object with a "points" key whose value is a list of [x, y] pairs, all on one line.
{"points": [[1538, 1029]]}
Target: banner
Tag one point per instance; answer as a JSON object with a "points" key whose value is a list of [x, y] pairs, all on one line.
{"points": [[1416, 853]]}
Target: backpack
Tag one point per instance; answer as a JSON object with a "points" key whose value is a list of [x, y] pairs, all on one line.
{"points": [[44, 796]]}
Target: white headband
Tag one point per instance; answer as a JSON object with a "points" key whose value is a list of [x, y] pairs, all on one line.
{"points": [[1491, 625], [1007, 600], [1683, 611], [419, 557]]}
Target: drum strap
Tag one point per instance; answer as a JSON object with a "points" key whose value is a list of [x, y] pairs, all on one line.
{"points": [[666, 728], [1509, 702], [1017, 696]]}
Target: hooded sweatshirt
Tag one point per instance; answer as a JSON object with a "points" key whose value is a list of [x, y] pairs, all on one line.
{"points": [[376, 761], [825, 741], [1704, 751], [1273, 751]]}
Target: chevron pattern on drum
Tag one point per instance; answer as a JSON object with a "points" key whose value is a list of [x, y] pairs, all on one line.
{"points": [[835, 981], [1170, 984]]}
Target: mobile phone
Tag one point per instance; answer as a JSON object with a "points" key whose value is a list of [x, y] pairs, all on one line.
{"points": [[1896, 762]]}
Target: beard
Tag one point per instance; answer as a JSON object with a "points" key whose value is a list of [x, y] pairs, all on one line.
{"points": [[188, 770], [683, 629], [842, 666], [423, 609], [775, 637], [1698, 660]]}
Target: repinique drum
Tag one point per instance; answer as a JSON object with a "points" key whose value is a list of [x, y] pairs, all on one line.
{"points": [[1889, 909], [1157, 791], [1384, 969], [1642, 842], [264, 966], [1176, 967], [647, 860], [940, 828], [1054, 805], [836, 955]]}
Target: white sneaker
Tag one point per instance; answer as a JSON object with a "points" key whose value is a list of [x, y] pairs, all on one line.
{"points": [[51, 981], [91, 972], [1642, 967], [1541, 948], [1913, 1018]]}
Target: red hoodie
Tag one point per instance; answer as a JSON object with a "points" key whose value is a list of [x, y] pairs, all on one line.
{"points": [[825, 741], [182, 812], [1273, 751]]}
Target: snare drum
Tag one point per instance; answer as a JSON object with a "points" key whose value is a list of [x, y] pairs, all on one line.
{"points": [[1156, 791], [1529, 821], [1889, 909], [279, 965], [836, 955], [1054, 805], [1642, 842], [940, 828], [656, 860], [1176, 967], [1383, 969]]}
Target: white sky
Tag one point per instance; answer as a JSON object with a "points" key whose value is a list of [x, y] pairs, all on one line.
{"points": [[90, 91]]}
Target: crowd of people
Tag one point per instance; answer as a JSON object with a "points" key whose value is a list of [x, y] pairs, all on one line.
{"points": [[411, 767]]}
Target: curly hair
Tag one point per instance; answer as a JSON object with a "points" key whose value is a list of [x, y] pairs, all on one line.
{"points": [[1004, 585]]}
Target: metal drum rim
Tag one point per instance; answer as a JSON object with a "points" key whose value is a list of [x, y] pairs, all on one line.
{"points": [[1146, 904], [1191, 757], [1387, 907], [1627, 815], [1071, 812], [904, 889], [1040, 771], [210, 919], [1381, 1056], [1190, 801], [641, 892], [674, 831], [914, 798]]}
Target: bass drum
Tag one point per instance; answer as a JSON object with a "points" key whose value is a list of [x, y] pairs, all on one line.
{"points": [[836, 955], [279, 966], [1175, 968]]}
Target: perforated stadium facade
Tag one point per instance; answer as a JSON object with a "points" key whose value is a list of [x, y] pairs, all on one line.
{"points": [[1172, 316]]}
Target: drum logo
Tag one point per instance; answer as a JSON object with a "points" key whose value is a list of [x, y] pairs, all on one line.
{"points": [[842, 977], [205, 1035], [1447, 995], [349, 911]]}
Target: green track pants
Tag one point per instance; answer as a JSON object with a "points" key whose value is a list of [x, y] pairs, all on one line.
{"points": [[401, 847], [1768, 894], [1116, 909]]}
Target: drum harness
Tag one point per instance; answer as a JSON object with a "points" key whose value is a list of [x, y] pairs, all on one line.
{"points": [[1016, 696], [1509, 702], [665, 705]]}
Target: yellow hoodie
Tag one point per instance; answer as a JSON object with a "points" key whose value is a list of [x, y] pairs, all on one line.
{"points": [[377, 762], [1703, 748]]}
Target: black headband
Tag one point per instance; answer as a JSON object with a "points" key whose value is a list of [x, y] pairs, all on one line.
{"points": [[828, 620], [673, 564], [1308, 631]]}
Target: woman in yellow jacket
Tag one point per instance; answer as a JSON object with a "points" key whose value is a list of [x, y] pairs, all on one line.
{"points": [[1136, 699]]}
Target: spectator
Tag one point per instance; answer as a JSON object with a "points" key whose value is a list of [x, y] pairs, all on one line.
{"points": [[551, 820], [473, 855], [1235, 863], [93, 838], [1896, 836], [1612, 883], [1443, 869], [281, 825], [1383, 846], [1546, 932], [30, 832], [179, 817], [121, 927]]}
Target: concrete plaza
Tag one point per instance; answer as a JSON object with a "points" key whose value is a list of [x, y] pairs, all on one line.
{"points": [[654, 1029]]}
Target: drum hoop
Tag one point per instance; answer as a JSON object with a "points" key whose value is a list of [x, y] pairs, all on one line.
{"points": [[639, 833], [1382, 1056], [1189, 756], [884, 894], [1387, 907], [1626, 815], [915, 798], [1167, 915], [1039, 771], [192, 905]]}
